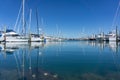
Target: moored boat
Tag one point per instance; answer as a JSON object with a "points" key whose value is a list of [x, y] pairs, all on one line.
{"points": [[36, 38], [12, 36]]}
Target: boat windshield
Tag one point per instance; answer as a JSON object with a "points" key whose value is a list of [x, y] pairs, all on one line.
{"points": [[9, 30]]}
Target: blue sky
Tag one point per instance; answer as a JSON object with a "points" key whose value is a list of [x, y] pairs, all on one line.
{"points": [[74, 18]]}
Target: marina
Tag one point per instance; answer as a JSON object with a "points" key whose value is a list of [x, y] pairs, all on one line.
{"points": [[11, 35], [59, 40]]}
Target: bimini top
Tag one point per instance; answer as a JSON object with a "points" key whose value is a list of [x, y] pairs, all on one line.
{"points": [[10, 30]]}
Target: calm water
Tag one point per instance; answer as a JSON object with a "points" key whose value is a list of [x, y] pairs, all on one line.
{"points": [[60, 61]]}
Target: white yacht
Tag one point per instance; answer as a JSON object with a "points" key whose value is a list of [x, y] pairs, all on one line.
{"points": [[112, 36], [36, 38], [12, 36]]}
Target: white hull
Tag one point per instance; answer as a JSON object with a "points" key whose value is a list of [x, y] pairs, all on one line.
{"points": [[21, 39], [36, 39], [12, 39], [112, 38], [16, 39]]}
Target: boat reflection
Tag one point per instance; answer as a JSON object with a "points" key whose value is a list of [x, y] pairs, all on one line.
{"points": [[27, 65], [113, 46], [28, 61]]}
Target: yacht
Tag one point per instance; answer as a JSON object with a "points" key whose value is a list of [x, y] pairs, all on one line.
{"points": [[12, 36], [112, 36], [36, 38]]}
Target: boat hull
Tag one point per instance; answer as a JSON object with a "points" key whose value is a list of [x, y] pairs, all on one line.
{"points": [[112, 38], [16, 39], [34, 39]]}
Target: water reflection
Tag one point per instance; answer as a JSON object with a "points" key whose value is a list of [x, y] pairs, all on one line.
{"points": [[22, 62], [114, 46], [113, 49], [60, 61]]}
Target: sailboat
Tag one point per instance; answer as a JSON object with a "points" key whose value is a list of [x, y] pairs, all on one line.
{"points": [[113, 36], [9, 35], [35, 37], [12, 36]]}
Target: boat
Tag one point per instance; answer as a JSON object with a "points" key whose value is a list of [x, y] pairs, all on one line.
{"points": [[102, 37], [36, 38], [92, 38], [112, 36], [9, 35], [12, 36]]}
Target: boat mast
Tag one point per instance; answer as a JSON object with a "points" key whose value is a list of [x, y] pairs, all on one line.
{"points": [[23, 18], [18, 17], [30, 19], [116, 33], [29, 33], [23, 21], [41, 29], [115, 19], [37, 21], [5, 33]]}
